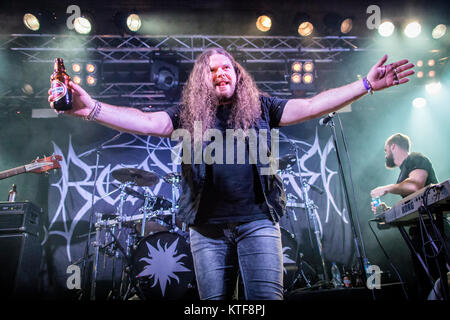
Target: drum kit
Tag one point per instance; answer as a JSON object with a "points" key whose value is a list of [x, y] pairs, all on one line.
{"points": [[157, 261], [156, 249]]}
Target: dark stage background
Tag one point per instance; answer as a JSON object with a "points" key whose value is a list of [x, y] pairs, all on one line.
{"points": [[65, 195]]}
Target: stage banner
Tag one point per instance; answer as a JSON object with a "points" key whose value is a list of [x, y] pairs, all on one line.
{"points": [[86, 172]]}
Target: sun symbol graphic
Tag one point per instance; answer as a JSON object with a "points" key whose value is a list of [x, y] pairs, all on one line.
{"points": [[162, 264], [286, 258]]}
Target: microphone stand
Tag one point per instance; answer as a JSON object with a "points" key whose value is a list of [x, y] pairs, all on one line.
{"points": [[88, 241], [310, 207], [360, 254]]}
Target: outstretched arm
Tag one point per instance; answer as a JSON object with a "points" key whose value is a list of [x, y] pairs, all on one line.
{"points": [[123, 119], [379, 77]]}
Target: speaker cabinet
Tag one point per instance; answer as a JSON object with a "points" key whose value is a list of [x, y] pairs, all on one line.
{"points": [[20, 262]]}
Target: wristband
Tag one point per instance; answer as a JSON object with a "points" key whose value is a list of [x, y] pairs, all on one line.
{"points": [[94, 112], [367, 85]]}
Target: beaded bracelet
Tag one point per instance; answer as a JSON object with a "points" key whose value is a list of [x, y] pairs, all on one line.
{"points": [[94, 112], [367, 85]]}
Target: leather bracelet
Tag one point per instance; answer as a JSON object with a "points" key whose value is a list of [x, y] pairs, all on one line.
{"points": [[94, 112], [90, 114]]}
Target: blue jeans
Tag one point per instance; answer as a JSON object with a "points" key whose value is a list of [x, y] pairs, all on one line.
{"points": [[253, 248]]}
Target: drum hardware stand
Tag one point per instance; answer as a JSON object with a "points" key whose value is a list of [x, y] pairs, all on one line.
{"points": [[144, 212], [359, 245], [88, 241], [123, 196], [98, 226], [301, 274], [112, 249], [174, 181], [96, 245], [291, 198]]}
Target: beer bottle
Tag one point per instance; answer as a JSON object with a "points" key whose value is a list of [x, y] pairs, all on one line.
{"points": [[62, 95]]}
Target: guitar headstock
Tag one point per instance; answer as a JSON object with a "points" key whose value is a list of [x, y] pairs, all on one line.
{"points": [[44, 164]]}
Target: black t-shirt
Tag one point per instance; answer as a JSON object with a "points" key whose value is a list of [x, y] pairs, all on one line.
{"points": [[414, 161], [232, 192]]}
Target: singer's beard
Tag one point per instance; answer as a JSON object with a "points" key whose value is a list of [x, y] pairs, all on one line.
{"points": [[390, 161]]}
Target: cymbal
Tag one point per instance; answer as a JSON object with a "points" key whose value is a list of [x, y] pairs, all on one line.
{"points": [[286, 161], [139, 177], [172, 178]]}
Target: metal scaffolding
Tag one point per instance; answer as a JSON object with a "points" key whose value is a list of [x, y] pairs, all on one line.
{"points": [[256, 53]]}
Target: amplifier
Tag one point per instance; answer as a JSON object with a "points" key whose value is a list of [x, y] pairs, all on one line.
{"points": [[20, 257], [19, 217]]}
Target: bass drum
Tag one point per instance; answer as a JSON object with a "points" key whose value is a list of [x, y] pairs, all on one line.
{"points": [[163, 268], [290, 258]]}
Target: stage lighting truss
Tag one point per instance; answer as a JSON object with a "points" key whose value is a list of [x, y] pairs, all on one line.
{"points": [[254, 52]]}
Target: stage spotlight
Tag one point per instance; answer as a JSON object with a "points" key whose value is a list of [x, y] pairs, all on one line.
{"points": [[31, 21], [128, 21], [164, 75], [431, 62], [304, 24], [420, 74], [82, 25], [419, 103], [90, 68], [301, 76], [76, 67], [296, 66], [433, 88], [419, 63], [296, 78], [346, 25], [264, 23], [90, 80], [439, 31], [413, 29], [305, 28], [386, 29], [336, 23], [27, 89], [134, 22], [308, 66], [76, 79], [431, 73], [308, 78]]}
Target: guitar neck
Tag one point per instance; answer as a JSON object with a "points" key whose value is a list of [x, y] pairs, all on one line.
{"points": [[12, 172]]}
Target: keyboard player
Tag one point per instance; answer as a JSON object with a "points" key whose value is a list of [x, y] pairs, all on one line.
{"points": [[416, 172]]}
